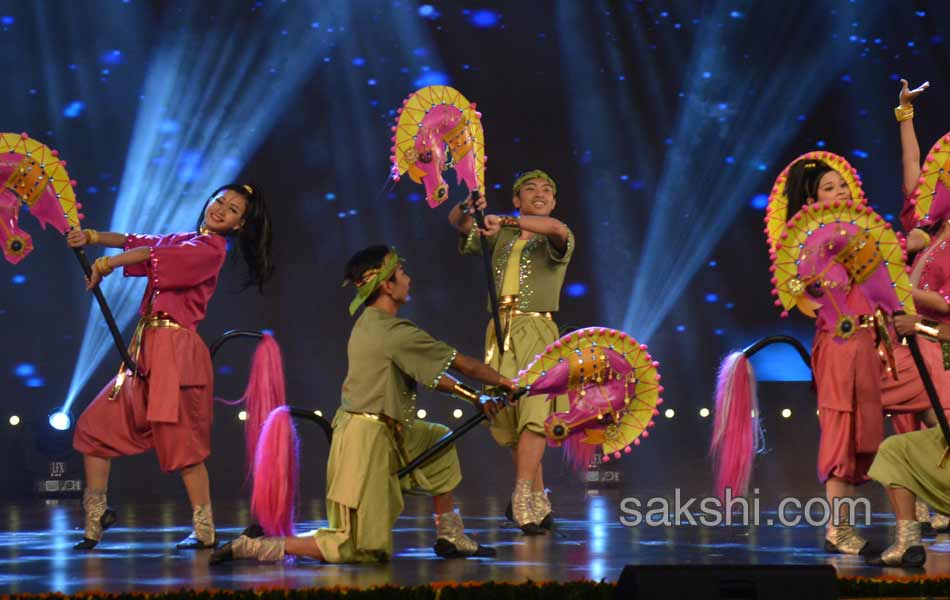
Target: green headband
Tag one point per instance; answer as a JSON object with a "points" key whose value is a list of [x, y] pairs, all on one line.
{"points": [[372, 279], [528, 175]]}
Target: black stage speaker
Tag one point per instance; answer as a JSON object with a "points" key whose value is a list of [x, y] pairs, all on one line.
{"points": [[728, 582]]}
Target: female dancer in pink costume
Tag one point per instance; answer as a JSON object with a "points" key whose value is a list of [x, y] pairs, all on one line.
{"points": [[825, 270], [928, 236], [167, 405]]}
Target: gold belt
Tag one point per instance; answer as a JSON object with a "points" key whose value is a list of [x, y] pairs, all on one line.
{"points": [[158, 320], [386, 419], [507, 311], [879, 323]]}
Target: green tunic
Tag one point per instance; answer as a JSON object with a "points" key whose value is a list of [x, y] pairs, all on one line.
{"points": [[387, 356], [542, 268], [909, 460], [541, 276]]}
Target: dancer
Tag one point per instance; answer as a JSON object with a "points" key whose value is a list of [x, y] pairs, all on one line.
{"points": [[167, 404], [839, 262], [850, 413], [845, 363], [530, 255], [375, 432], [928, 234], [913, 467]]}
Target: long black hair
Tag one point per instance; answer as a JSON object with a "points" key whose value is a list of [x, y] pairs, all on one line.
{"points": [[254, 237], [802, 184]]}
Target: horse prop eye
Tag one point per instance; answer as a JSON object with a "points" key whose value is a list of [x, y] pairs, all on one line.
{"points": [[426, 156]]}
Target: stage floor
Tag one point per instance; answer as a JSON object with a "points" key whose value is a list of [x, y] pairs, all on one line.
{"points": [[590, 543]]}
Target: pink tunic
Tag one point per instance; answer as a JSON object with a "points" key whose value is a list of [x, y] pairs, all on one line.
{"points": [[182, 271], [931, 272], [170, 408], [931, 268]]}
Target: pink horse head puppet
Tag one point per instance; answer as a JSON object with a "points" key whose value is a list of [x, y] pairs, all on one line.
{"points": [[613, 389], [435, 129], [33, 174]]}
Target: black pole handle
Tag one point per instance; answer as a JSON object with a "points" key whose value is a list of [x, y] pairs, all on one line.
{"points": [[232, 334], [295, 411], [479, 216], [447, 439], [929, 386], [308, 415], [779, 339], [914, 347], [106, 313]]}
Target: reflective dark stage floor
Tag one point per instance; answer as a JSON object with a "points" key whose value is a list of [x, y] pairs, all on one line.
{"points": [[590, 543]]}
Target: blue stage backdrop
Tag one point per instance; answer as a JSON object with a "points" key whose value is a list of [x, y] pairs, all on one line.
{"points": [[664, 124]]}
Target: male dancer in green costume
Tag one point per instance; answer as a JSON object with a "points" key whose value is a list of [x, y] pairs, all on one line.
{"points": [[530, 255], [376, 432], [913, 466]]}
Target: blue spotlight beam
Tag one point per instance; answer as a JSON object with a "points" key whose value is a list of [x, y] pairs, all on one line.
{"points": [[607, 122], [699, 192], [357, 128], [213, 90]]}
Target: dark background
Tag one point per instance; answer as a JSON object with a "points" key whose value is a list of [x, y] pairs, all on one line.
{"points": [[662, 122]]}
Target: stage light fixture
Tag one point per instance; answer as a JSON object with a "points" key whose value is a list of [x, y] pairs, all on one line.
{"points": [[60, 420]]}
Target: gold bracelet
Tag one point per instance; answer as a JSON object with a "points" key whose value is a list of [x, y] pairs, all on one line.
{"points": [[926, 329], [460, 390], [509, 221], [92, 236], [904, 112], [102, 266]]}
